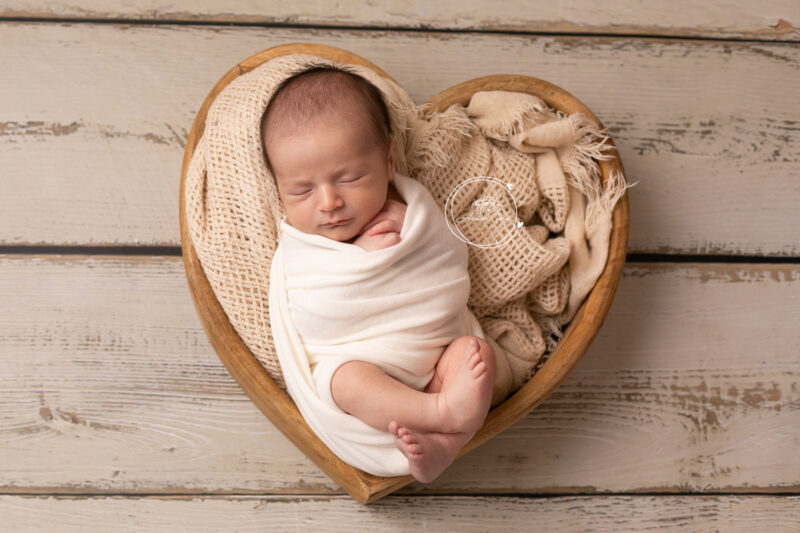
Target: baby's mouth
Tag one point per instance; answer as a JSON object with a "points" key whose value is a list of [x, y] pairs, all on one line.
{"points": [[336, 224]]}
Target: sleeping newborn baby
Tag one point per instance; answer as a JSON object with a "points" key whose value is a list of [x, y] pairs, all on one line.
{"points": [[376, 338]]}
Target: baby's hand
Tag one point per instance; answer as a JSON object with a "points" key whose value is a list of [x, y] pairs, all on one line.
{"points": [[388, 219], [384, 229], [377, 242]]}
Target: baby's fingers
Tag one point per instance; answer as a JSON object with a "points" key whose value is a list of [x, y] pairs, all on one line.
{"points": [[381, 227]]}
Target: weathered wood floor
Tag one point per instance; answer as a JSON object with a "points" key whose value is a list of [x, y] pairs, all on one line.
{"points": [[683, 416]]}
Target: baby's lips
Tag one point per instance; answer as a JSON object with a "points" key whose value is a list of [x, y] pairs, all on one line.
{"points": [[342, 222]]}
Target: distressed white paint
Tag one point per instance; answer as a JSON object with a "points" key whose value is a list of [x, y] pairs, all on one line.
{"points": [[108, 384], [773, 19], [402, 514], [93, 119]]}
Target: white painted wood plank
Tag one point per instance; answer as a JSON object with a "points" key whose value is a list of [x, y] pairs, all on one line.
{"points": [[108, 384], [694, 378], [93, 119], [774, 19], [770, 514]]}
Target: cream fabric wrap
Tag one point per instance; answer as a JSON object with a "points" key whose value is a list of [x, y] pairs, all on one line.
{"points": [[397, 308]]}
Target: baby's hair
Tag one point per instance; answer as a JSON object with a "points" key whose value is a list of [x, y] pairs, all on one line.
{"points": [[317, 88]]}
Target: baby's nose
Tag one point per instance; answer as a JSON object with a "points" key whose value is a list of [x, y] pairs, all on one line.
{"points": [[329, 198]]}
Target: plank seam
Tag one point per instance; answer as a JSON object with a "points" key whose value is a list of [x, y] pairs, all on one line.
{"points": [[175, 251], [421, 29], [405, 494]]}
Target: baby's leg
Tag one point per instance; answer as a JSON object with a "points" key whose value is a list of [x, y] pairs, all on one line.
{"points": [[467, 370], [368, 393], [464, 375]]}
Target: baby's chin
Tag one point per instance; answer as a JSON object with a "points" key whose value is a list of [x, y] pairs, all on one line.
{"points": [[349, 237], [345, 233]]}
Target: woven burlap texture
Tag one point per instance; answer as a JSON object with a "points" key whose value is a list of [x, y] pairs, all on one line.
{"points": [[519, 291]]}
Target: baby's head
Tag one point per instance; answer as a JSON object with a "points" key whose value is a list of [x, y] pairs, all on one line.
{"points": [[327, 141]]}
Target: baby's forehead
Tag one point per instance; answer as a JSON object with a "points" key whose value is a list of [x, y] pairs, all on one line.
{"points": [[315, 93], [309, 109], [349, 116], [350, 120]]}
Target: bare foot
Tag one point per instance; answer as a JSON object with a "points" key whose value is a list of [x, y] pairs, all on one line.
{"points": [[428, 454], [464, 399]]}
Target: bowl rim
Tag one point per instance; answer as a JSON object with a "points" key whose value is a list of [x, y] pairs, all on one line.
{"points": [[278, 406]]}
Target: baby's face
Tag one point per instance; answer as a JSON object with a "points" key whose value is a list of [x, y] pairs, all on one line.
{"points": [[331, 172]]}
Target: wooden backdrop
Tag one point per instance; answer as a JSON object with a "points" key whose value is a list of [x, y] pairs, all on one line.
{"points": [[116, 414]]}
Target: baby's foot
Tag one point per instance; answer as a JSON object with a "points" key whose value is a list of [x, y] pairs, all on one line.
{"points": [[465, 396], [428, 454]]}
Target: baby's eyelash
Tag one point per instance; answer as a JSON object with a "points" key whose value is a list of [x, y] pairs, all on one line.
{"points": [[306, 191]]}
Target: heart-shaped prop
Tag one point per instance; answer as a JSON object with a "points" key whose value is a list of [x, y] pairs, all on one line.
{"points": [[275, 403]]}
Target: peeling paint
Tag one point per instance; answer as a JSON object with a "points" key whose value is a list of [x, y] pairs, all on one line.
{"points": [[55, 417], [717, 272], [771, 53], [739, 274], [733, 137], [39, 127], [42, 129], [759, 395], [688, 396], [173, 139], [729, 248]]}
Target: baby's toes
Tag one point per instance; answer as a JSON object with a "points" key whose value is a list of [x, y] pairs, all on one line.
{"points": [[473, 346], [410, 438], [412, 444], [474, 360]]}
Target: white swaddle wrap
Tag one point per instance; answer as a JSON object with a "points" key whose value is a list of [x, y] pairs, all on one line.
{"points": [[397, 307]]}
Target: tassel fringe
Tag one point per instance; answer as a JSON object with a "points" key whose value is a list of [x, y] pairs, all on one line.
{"points": [[529, 113], [581, 168], [602, 206], [433, 134]]}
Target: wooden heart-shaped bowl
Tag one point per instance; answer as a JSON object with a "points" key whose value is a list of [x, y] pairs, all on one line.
{"points": [[277, 405]]}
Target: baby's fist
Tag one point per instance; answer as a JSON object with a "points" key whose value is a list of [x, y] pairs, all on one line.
{"points": [[377, 242], [389, 219]]}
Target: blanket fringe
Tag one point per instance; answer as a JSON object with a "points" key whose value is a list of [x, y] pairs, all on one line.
{"points": [[431, 134], [528, 111], [603, 204], [580, 166]]}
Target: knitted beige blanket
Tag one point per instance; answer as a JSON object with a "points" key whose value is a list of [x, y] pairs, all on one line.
{"points": [[516, 179]]}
